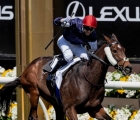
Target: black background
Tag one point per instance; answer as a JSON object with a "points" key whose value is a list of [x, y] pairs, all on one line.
{"points": [[128, 33], [7, 38]]}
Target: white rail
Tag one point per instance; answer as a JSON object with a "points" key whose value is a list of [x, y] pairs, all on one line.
{"points": [[4, 80], [109, 85], [123, 85]]}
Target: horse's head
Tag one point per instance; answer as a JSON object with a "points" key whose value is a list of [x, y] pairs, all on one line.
{"points": [[116, 55]]}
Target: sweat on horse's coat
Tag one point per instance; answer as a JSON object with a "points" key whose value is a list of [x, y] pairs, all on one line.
{"points": [[82, 89]]}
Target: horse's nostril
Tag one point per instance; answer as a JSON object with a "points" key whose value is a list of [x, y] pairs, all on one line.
{"points": [[128, 69]]}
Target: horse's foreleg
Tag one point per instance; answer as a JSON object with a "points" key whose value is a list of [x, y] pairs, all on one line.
{"points": [[71, 113], [99, 113]]}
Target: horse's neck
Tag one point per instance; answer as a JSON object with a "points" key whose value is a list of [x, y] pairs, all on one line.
{"points": [[97, 67], [101, 54]]}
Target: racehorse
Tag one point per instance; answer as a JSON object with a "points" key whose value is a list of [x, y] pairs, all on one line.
{"points": [[83, 86]]}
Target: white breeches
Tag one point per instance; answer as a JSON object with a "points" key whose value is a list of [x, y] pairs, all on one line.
{"points": [[69, 50]]}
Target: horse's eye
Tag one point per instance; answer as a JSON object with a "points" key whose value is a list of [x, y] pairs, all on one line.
{"points": [[114, 51]]}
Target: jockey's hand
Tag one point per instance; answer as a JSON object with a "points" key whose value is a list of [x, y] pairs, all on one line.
{"points": [[66, 20], [87, 46], [83, 59]]}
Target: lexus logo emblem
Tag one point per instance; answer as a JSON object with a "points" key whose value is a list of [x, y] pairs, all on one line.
{"points": [[76, 5]]}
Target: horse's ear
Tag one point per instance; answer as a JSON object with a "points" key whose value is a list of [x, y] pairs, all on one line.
{"points": [[107, 39], [114, 37]]}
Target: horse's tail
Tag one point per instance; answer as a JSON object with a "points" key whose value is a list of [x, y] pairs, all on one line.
{"points": [[5, 94]]}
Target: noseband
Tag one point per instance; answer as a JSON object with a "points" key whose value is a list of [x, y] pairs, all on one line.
{"points": [[120, 67]]}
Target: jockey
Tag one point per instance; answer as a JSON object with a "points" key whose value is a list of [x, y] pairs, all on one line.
{"points": [[77, 34]]}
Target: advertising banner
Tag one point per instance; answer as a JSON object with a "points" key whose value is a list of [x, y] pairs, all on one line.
{"points": [[7, 29], [114, 16]]}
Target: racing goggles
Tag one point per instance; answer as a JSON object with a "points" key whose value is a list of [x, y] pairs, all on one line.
{"points": [[88, 28]]}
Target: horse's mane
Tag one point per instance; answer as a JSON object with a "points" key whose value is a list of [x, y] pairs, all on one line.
{"points": [[100, 43]]}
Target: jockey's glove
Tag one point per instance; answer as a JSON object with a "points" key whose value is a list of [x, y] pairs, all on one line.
{"points": [[87, 46], [66, 20]]}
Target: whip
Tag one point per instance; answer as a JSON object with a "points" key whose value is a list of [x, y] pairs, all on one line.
{"points": [[58, 32]]}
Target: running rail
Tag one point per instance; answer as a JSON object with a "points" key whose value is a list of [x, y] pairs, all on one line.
{"points": [[4, 80], [122, 85], [108, 85]]}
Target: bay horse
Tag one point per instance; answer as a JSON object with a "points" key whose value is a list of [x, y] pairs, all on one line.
{"points": [[83, 86]]}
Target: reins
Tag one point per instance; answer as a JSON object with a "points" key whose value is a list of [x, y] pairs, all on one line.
{"points": [[95, 56], [102, 85], [90, 53]]}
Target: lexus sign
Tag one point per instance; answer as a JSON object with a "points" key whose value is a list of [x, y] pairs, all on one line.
{"points": [[114, 16]]}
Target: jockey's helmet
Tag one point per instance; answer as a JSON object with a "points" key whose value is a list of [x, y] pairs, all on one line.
{"points": [[90, 21]]}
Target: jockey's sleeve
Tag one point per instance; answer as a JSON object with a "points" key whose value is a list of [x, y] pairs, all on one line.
{"points": [[57, 21]]}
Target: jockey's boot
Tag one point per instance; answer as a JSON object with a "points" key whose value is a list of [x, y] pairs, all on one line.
{"points": [[56, 64]]}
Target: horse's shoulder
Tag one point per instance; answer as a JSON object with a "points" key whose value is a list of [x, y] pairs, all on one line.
{"points": [[78, 66]]}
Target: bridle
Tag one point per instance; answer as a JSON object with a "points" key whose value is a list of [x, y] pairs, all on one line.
{"points": [[120, 67], [117, 66]]}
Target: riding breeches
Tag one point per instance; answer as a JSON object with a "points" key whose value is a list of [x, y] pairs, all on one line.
{"points": [[69, 50]]}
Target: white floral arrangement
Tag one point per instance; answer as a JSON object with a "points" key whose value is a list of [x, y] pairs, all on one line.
{"points": [[117, 76], [12, 113], [8, 72], [125, 113]]}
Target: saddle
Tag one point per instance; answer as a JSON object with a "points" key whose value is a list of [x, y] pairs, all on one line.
{"points": [[47, 67]]}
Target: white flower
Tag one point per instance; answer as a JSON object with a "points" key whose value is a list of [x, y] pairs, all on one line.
{"points": [[15, 71], [2, 70], [122, 114], [130, 93], [116, 75], [84, 116], [108, 91], [137, 116], [14, 113], [134, 78], [107, 110], [109, 76], [11, 73], [2, 113]]}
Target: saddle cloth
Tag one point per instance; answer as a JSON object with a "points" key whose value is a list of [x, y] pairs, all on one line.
{"points": [[59, 72]]}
